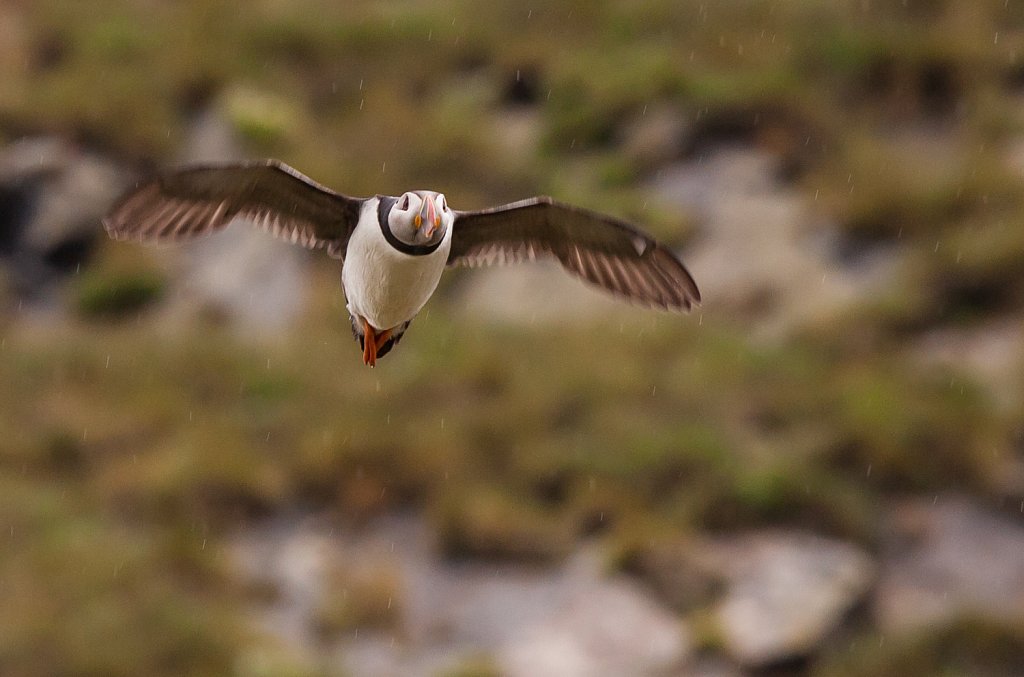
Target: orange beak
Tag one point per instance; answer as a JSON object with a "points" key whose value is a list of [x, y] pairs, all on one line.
{"points": [[433, 220]]}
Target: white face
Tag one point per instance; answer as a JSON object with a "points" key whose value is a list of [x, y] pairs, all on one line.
{"points": [[420, 217]]}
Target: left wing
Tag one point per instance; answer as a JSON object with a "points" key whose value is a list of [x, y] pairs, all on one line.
{"points": [[599, 249]]}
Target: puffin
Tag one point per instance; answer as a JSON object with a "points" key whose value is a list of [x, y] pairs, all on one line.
{"points": [[393, 250]]}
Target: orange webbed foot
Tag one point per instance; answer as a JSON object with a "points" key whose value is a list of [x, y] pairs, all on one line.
{"points": [[369, 345], [373, 341], [381, 339]]}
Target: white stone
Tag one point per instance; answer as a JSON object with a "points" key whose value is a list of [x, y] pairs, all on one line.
{"points": [[950, 557], [786, 592]]}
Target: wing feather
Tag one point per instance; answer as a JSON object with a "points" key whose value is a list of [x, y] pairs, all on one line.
{"points": [[199, 200], [602, 250]]}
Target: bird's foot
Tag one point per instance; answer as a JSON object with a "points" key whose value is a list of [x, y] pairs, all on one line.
{"points": [[369, 345], [372, 343], [381, 339]]}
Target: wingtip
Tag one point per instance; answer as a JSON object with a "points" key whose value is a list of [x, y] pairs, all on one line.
{"points": [[112, 228]]}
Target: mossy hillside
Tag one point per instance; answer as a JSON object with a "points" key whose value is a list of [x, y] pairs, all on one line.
{"points": [[516, 448], [131, 451]]}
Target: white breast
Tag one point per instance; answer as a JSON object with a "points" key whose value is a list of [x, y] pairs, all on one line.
{"points": [[383, 285]]}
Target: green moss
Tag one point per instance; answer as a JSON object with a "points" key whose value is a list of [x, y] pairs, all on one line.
{"points": [[89, 596], [481, 666], [116, 295], [486, 523], [126, 446], [965, 646]]}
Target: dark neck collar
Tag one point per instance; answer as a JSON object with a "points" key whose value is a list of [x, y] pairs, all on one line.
{"points": [[383, 209]]}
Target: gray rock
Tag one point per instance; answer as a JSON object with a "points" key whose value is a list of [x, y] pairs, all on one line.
{"points": [[248, 278], [763, 250], [253, 281], [567, 620], [53, 196], [655, 136], [607, 627], [950, 557], [990, 350], [72, 202], [535, 293], [786, 593]]}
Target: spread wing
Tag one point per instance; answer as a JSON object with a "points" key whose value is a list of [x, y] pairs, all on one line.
{"points": [[199, 200], [598, 248]]}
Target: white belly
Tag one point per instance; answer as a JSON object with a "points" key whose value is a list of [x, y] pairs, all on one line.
{"points": [[383, 285]]}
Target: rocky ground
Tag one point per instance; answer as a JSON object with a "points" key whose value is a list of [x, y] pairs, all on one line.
{"points": [[761, 599], [775, 597], [820, 472]]}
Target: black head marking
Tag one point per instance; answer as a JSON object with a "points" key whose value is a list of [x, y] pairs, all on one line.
{"points": [[384, 208]]}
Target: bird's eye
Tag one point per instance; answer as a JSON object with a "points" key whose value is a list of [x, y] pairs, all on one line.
{"points": [[404, 204], [444, 204]]}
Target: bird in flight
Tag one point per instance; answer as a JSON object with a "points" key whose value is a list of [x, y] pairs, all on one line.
{"points": [[394, 249]]}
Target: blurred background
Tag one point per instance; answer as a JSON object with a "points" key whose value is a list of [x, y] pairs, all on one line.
{"points": [[820, 472]]}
